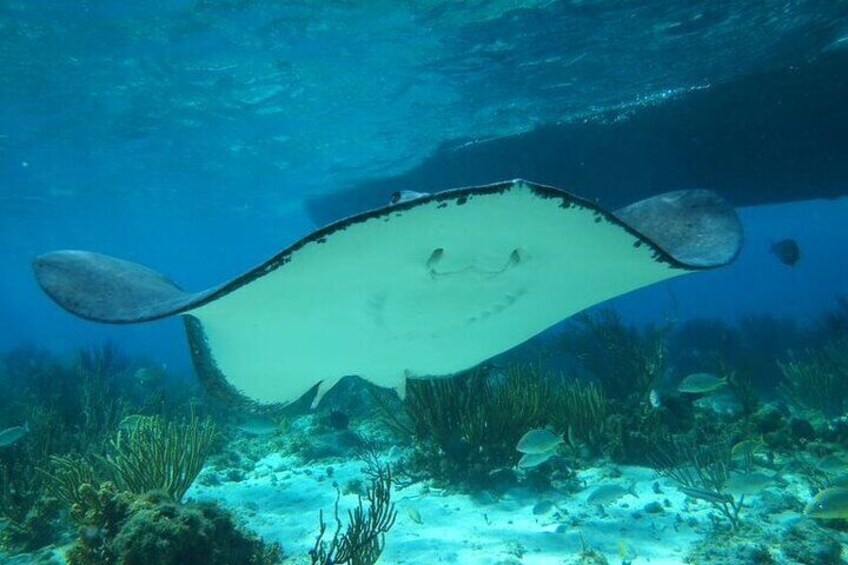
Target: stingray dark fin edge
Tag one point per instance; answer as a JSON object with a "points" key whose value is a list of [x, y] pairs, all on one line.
{"points": [[217, 385], [105, 289]]}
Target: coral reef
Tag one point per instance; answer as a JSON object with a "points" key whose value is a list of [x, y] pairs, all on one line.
{"points": [[70, 406], [806, 543], [126, 504], [732, 547], [122, 528], [468, 426], [819, 382], [626, 362]]}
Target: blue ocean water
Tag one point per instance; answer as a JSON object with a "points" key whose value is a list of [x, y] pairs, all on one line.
{"points": [[200, 137], [186, 135]]}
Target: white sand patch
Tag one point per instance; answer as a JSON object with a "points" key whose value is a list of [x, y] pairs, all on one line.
{"points": [[281, 498]]}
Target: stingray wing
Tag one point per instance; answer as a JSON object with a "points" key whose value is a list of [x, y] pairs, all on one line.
{"points": [[426, 287]]}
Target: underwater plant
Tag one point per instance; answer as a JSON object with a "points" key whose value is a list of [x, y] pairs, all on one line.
{"points": [[158, 455], [98, 371], [631, 432], [31, 513], [127, 508], [625, 361], [467, 426], [819, 382], [69, 405], [581, 409], [362, 541], [152, 456], [742, 384], [124, 528], [69, 475], [510, 405], [701, 473]]}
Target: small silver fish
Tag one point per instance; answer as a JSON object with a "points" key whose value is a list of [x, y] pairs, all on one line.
{"points": [[539, 441], [531, 460], [542, 507], [723, 403], [700, 383], [259, 426], [747, 484], [654, 399], [406, 195], [414, 515], [610, 493], [829, 504], [10, 436], [747, 448], [149, 376]]}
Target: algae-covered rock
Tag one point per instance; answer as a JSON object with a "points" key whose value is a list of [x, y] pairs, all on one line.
{"points": [[193, 534], [158, 530], [732, 547], [768, 419], [808, 543], [588, 556]]}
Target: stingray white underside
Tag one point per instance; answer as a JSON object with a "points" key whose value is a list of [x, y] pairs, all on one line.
{"points": [[425, 291]]}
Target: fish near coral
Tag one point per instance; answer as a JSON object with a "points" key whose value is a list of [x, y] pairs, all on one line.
{"points": [[831, 503], [536, 442], [747, 484], [701, 383], [532, 460], [610, 493], [11, 436], [747, 449], [711, 496]]}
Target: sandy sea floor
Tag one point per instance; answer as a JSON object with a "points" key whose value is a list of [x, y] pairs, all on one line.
{"points": [[280, 500], [279, 497]]}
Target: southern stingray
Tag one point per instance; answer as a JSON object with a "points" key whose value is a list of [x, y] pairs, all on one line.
{"points": [[427, 286]]}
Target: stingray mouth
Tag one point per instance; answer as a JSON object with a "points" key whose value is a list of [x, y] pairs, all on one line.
{"points": [[438, 254]]}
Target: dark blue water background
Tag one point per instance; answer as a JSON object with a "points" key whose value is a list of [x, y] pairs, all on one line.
{"points": [[185, 134]]}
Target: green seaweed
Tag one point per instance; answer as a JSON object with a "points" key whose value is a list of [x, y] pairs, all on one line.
{"points": [[625, 361], [160, 455], [71, 405], [30, 511], [467, 427], [154, 455], [700, 470], [581, 410], [362, 541], [818, 382]]}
